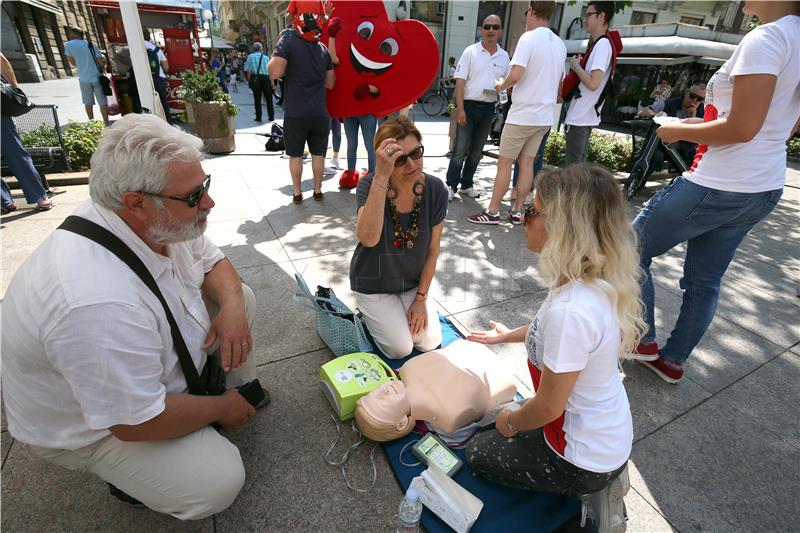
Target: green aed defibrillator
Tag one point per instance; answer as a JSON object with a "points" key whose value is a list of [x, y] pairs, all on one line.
{"points": [[349, 377]]}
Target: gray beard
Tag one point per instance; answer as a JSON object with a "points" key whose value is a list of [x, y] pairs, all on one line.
{"points": [[167, 229]]}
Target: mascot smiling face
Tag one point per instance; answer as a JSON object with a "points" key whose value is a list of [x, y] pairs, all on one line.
{"points": [[400, 59]]}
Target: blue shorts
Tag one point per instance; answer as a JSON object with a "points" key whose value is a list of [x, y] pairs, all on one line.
{"points": [[91, 90]]}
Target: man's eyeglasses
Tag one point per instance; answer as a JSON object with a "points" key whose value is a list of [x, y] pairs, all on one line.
{"points": [[589, 14], [695, 96], [194, 198], [529, 214], [488, 27], [414, 154]]}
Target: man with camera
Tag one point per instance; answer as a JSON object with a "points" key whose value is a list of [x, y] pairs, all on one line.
{"points": [[99, 358]]}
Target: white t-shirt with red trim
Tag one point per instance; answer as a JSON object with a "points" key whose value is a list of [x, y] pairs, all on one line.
{"points": [[760, 164], [575, 330]]}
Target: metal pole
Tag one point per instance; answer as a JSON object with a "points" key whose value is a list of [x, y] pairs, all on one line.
{"points": [[141, 66]]}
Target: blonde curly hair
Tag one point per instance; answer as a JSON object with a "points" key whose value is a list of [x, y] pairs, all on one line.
{"points": [[590, 238]]}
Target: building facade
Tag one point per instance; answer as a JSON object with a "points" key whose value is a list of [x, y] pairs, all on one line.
{"points": [[34, 32]]}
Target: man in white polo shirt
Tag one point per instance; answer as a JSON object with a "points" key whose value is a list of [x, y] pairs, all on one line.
{"points": [[480, 65], [537, 69]]}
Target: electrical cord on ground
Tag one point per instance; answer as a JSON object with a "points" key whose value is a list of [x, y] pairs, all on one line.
{"points": [[343, 461], [402, 451]]}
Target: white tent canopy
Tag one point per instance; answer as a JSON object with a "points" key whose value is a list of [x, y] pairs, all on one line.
{"points": [[219, 42]]}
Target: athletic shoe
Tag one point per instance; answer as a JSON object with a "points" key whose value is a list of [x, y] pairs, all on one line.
{"points": [[529, 199], [348, 179], [364, 172], [607, 507], [450, 194], [646, 351], [472, 192], [484, 217], [329, 171], [335, 163], [515, 217], [128, 500], [669, 371]]}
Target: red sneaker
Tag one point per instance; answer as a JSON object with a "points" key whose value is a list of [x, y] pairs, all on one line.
{"points": [[348, 179], [646, 351], [669, 371], [364, 172]]}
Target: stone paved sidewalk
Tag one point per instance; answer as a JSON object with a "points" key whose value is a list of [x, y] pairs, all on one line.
{"points": [[717, 452]]}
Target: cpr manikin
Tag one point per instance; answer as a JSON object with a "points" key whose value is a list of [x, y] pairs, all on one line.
{"points": [[449, 388]]}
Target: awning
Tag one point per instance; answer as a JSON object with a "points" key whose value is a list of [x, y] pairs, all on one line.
{"points": [[219, 42], [45, 5]]}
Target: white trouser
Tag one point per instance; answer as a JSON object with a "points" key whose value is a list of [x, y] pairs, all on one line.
{"points": [[190, 477], [386, 317]]}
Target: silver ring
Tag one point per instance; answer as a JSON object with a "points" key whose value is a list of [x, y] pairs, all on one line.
{"points": [[389, 152]]}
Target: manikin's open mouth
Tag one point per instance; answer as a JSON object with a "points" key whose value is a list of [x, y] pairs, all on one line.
{"points": [[362, 64]]}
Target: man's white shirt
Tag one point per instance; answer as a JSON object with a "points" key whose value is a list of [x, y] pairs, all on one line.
{"points": [[480, 69], [533, 101], [86, 345]]}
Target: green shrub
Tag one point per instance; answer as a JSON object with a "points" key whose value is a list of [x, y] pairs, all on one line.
{"points": [[204, 87], [80, 139], [555, 150], [793, 147], [611, 152]]}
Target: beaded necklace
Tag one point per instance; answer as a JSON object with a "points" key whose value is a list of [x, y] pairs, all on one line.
{"points": [[401, 236]]}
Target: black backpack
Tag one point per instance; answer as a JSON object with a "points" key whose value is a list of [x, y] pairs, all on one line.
{"points": [[275, 140], [152, 59]]}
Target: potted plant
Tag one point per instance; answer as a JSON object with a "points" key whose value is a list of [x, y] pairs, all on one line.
{"points": [[209, 111]]}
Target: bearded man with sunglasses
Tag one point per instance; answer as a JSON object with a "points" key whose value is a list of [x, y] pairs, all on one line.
{"points": [[91, 379]]}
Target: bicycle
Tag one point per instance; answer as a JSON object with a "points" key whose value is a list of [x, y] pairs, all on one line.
{"points": [[437, 102], [641, 169]]}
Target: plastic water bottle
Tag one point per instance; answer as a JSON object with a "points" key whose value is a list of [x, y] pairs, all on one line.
{"points": [[409, 513], [503, 94]]}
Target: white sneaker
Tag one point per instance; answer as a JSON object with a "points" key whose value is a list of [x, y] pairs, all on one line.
{"points": [[607, 507], [529, 199], [472, 192], [329, 170], [334, 163], [450, 194]]}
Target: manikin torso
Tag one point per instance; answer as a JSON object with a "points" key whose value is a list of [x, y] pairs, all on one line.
{"points": [[449, 387]]}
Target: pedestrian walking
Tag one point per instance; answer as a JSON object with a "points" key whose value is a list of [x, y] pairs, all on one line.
{"points": [[258, 79]]}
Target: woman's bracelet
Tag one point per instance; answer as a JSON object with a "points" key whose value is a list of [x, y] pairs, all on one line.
{"points": [[423, 294]]}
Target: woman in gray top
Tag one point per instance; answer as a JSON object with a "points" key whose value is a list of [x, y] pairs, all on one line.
{"points": [[401, 213]]}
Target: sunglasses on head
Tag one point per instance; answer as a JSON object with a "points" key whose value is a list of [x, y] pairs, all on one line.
{"points": [[414, 154], [193, 199], [696, 96], [529, 214], [491, 26]]}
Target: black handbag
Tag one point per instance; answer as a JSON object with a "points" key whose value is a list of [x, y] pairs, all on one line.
{"points": [[14, 101], [253, 77], [105, 83], [211, 382]]}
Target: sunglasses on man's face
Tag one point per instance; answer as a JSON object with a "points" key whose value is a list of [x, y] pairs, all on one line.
{"points": [[193, 199], [414, 154], [695, 96], [488, 27], [529, 214]]}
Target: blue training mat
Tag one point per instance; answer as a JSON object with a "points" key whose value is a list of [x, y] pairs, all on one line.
{"points": [[504, 509]]}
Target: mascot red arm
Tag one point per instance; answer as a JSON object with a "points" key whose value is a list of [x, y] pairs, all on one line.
{"points": [[383, 66]]}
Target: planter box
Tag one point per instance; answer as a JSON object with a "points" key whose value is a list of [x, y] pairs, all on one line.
{"points": [[212, 123]]}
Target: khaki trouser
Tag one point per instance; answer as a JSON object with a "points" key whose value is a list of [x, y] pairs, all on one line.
{"points": [[190, 477]]}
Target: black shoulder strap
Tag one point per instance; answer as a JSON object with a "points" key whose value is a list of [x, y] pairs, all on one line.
{"points": [[112, 243], [258, 68], [94, 56]]}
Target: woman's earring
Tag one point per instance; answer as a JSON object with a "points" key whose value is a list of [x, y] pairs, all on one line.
{"points": [[419, 188]]}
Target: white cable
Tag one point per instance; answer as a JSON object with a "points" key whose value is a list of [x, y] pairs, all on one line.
{"points": [[343, 461]]}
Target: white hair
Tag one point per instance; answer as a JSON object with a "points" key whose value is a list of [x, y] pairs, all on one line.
{"points": [[133, 156], [257, 46]]}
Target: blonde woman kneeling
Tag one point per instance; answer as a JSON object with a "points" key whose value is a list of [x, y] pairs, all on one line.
{"points": [[574, 436]]}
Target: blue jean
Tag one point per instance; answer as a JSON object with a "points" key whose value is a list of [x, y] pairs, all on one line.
{"points": [[713, 222], [470, 140], [369, 124], [20, 163], [538, 162], [7, 199], [336, 132]]}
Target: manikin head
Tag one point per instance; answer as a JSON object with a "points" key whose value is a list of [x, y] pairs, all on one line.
{"points": [[383, 414]]}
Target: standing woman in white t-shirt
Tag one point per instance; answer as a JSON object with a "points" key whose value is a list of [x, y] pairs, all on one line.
{"points": [[752, 107], [575, 435]]}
